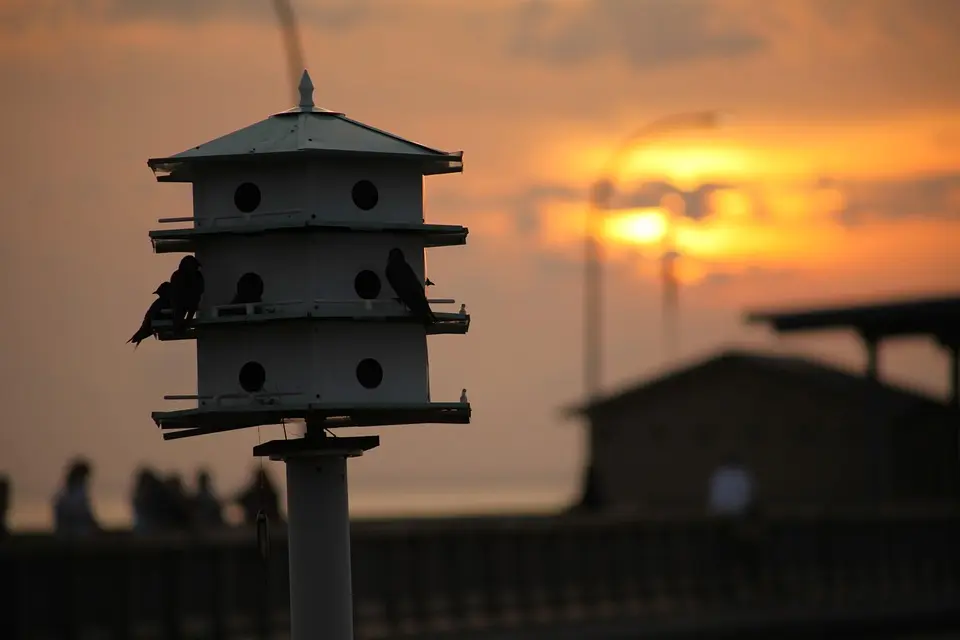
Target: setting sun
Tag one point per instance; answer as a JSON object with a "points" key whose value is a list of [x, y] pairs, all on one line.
{"points": [[636, 226]]}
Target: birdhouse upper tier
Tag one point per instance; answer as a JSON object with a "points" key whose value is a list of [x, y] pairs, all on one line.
{"points": [[312, 212], [303, 160]]}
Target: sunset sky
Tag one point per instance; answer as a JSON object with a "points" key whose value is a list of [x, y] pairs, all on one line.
{"points": [[835, 174]]}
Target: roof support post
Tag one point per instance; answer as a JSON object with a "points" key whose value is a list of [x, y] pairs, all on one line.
{"points": [[872, 344], [952, 344], [955, 375]]}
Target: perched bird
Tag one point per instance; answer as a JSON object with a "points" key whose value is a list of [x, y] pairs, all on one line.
{"points": [[408, 286], [161, 304], [463, 396], [249, 289], [186, 290], [428, 283], [463, 309]]}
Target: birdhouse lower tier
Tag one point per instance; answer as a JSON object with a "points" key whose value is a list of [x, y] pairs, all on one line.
{"points": [[185, 423], [330, 373], [290, 363]]}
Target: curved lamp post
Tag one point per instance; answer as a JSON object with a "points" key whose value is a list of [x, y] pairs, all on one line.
{"points": [[601, 193]]}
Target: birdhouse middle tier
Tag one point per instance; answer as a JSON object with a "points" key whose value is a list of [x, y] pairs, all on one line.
{"points": [[309, 276]]}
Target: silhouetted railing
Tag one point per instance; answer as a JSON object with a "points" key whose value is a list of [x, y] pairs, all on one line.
{"points": [[421, 577]]}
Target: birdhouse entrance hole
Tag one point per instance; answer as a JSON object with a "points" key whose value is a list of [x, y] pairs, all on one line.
{"points": [[247, 197], [365, 195], [369, 373], [252, 376], [249, 288], [367, 284]]}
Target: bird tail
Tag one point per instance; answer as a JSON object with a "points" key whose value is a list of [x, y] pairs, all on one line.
{"points": [[142, 334]]}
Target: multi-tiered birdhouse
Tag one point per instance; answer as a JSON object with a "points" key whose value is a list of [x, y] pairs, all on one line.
{"points": [[310, 236]]}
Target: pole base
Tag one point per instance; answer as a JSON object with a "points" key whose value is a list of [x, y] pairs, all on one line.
{"points": [[318, 530]]}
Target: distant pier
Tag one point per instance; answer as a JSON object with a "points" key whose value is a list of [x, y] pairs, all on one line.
{"points": [[600, 577]]}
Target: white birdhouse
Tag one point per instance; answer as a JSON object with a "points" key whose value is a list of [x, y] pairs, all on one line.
{"points": [[294, 218]]}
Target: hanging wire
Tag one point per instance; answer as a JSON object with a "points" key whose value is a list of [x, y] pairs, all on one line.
{"points": [[262, 522], [263, 535]]}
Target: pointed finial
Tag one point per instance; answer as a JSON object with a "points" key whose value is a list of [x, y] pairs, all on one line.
{"points": [[306, 91]]}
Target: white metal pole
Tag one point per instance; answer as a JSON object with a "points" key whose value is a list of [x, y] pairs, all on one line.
{"points": [[321, 594]]}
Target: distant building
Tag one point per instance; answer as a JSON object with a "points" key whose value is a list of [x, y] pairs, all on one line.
{"points": [[809, 435], [937, 318]]}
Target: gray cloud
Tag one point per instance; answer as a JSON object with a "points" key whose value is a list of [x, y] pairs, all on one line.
{"points": [[932, 196], [524, 206], [722, 274], [697, 203], [649, 34], [330, 14]]}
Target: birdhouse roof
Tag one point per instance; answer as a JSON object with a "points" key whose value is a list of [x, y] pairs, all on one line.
{"points": [[305, 130]]}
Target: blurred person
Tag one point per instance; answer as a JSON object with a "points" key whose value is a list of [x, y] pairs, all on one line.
{"points": [[731, 490], [147, 499], [732, 497], [176, 503], [72, 513], [207, 510]]}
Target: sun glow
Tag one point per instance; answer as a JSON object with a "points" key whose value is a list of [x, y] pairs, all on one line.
{"points": [[765, 206], [636, 226], [686, 166]]}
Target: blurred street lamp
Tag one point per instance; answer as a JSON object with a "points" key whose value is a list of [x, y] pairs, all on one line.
{"points": [[600, 195]]}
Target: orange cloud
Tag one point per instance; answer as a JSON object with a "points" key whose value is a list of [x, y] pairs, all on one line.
{"points": [[749, 149], [800, 229]]}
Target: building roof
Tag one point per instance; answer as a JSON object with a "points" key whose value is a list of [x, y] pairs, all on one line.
{"points": [[884, 398], [922, 316], [305, 130]]}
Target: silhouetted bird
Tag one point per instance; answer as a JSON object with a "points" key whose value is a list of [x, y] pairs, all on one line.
{"points": [[249, 289], [409, 287], [155, 312], [186, 290], [428, 283]]}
